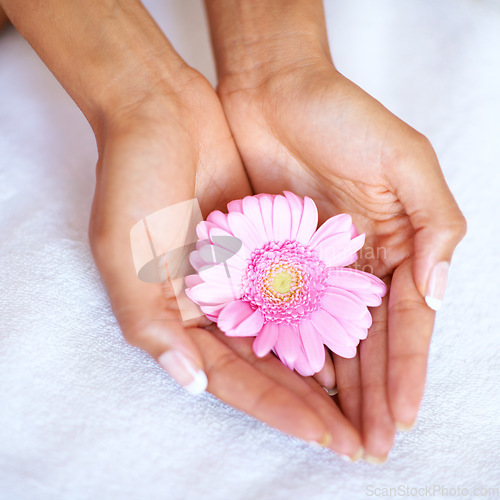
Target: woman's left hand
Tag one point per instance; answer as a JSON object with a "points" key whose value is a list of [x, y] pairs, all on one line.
{"points": [[307, 129]]}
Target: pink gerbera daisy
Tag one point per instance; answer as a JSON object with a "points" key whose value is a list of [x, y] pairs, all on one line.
{"points": [[266, 271]]}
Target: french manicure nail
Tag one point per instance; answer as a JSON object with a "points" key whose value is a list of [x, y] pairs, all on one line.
{"points": [[331, 392], [180, 368], [374, 460], [323, 442], [437, 285], [353, 458], [400, 426]]}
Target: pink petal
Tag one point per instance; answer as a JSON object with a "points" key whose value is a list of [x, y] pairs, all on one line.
{"points": [[330, 328], [333, 254], [234, 314], [249, 326], [251, 208], [308, 222], [213, 311], [242, 228], [282, 219], [196, 260], [302, 365], [223, 240], [377, 285], [235, 206], [211, 254], [266, 208], [346, 351], [366, 320], [296, 208], [218, 219], [348, 278], [209, 294], [334, 225], [313, 346], [218, 275], [354, 328], [288, 343], [239, 319], [203, 228], [354, 279], [369, 299], [343, 304], [266, 339], [323, 325]]}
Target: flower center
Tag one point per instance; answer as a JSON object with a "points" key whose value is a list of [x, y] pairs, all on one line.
{"points": [[282, 282]]}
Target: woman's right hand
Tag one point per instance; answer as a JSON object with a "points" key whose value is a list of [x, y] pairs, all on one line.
{"points": [[159, 151], [162, 139]]}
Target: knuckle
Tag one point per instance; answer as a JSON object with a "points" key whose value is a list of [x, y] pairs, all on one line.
{"points": [[224, 362], [406, 306], [422, 142], [137, 334], [456, 228], [268, 394]]}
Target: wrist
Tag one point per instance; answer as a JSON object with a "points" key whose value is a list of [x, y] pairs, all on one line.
{"points": [[254, 41], [107, 55]]}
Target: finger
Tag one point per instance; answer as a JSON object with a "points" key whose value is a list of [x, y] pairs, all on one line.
{"points": [[410, 324], [326, 376], [345, 439], [147, 319], [435, 216], [347, 372], [243, 386], [378, 424]]}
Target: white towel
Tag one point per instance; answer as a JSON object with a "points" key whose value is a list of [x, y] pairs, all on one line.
{"points": [[85, 416]]}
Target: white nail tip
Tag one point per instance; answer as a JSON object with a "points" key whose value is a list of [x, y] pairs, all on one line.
{"points": [[433, 302], [198, 385], [331, 392]]}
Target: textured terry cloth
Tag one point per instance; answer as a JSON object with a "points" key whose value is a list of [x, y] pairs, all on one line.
{"points": [[85, 416]]}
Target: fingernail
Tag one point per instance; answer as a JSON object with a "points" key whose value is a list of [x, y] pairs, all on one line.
{"points": [[437, 285], [180, 368], [355, 457], [323, 442], [400, 426], [374, 460], [331, 392]]}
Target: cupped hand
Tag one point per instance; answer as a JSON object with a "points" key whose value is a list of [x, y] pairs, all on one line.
{"points": [[307, 129], [166, 148]]}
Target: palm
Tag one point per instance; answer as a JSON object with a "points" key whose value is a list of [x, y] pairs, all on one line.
{"points": [[323, 137], [148, 163]]}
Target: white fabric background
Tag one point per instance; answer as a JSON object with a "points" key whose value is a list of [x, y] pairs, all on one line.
{"points": [[85, 416]]}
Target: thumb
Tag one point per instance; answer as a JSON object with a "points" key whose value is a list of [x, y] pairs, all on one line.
{"points": [[147, 312], [438, 222]]}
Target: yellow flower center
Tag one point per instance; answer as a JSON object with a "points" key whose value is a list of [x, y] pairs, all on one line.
{"points": [[282, 282]]}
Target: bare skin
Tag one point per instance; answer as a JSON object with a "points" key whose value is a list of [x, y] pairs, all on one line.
{"points": [[164, 136], [299, 125]]}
